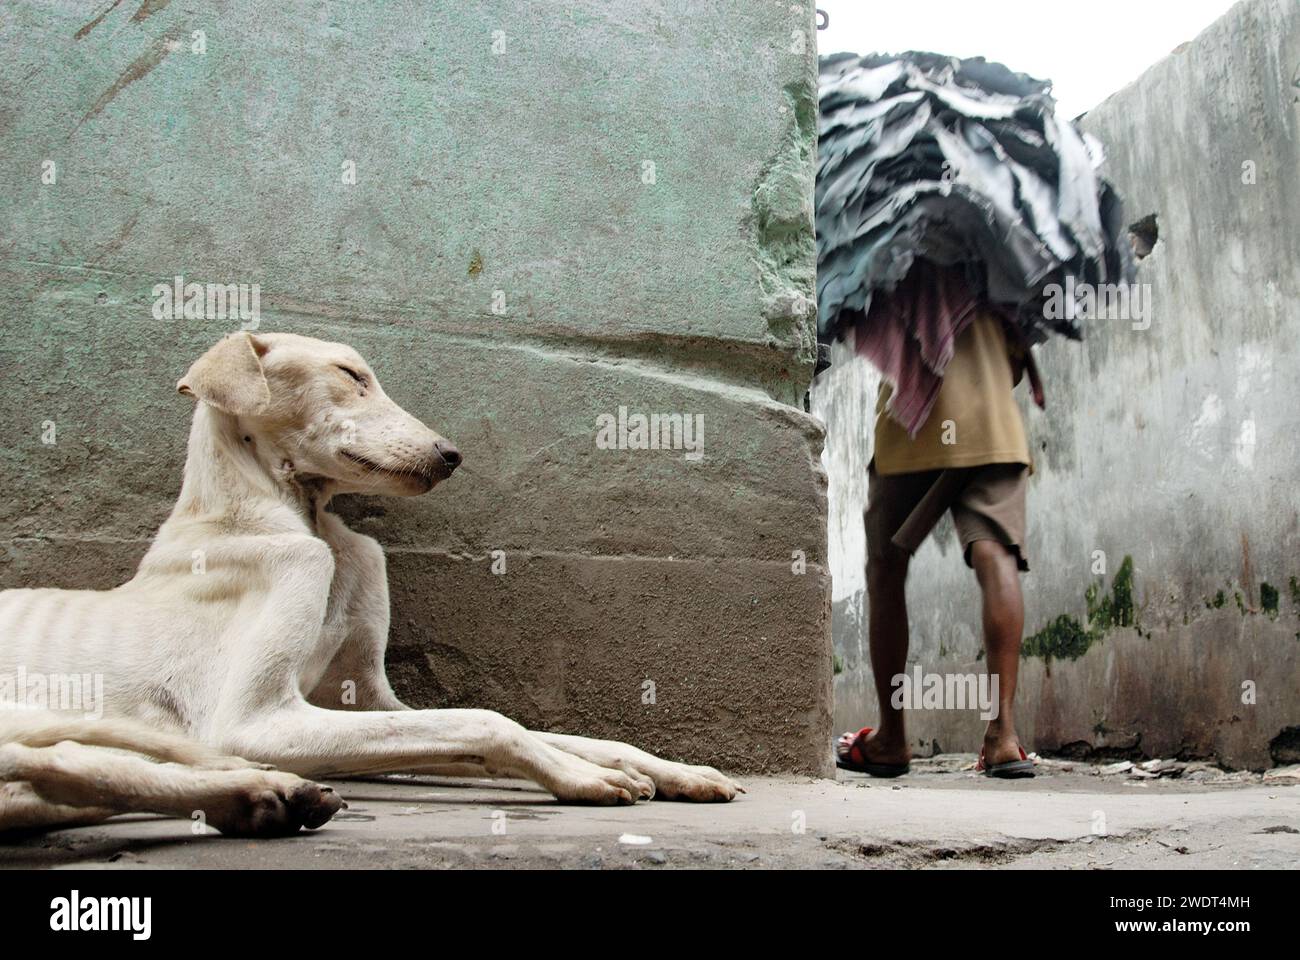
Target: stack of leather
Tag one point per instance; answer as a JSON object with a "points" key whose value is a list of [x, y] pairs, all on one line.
{"points": [[961, 169]]}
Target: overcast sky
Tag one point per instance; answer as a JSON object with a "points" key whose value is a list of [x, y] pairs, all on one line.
{"points": [[1087, 49]]}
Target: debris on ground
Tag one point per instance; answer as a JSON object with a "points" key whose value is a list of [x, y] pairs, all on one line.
{"points": [[1289, 774], [1194, 771]]}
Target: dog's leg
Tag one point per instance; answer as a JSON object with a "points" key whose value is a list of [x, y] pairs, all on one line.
{"points": [[316, 742], [257, 720], [668, 780], [39, 728], [22, 808], [355, 678], [673, 781], [373, 732], [239, 802]]}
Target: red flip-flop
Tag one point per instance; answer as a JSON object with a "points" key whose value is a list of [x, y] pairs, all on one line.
{"points": [[855, 759], [1011, 770]]}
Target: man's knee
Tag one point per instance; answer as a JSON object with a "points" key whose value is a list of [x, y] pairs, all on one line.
{"points": [[993, 559], [887, 573]]}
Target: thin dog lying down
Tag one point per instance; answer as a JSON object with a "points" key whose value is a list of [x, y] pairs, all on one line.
{"points": [[248, 615]]}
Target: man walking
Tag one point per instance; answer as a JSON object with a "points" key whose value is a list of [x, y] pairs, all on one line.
{"points": [[969, 456]]}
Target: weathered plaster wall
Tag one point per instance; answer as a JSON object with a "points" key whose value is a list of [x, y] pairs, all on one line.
{"points": [[502, 158], [1176, 446]]}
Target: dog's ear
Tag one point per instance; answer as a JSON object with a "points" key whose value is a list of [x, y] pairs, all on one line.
{"points": [[230, 376]]}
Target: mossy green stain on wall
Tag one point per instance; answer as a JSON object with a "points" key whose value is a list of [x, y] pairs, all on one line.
{"points": [[1268, 597], [1065, 638], [1270, 600], [1116, 608]]}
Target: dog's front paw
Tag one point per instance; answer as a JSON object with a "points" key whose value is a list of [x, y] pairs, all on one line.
{"points": [[582, 782], [681, 781]]}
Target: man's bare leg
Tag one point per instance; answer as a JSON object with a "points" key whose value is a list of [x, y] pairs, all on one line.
{"points": [[1004, 620], [887, 635]]}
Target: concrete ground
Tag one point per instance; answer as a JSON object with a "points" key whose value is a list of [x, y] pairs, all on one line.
{"points": [[940, 816]]}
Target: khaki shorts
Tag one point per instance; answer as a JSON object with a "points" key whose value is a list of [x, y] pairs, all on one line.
{"points": [[987, 503]]}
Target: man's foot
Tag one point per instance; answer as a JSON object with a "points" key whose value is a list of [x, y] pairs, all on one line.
{"points": [[1002, 756], [869, 752]]}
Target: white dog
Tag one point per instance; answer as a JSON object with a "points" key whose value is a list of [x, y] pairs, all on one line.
{"points": [[250, 612]]}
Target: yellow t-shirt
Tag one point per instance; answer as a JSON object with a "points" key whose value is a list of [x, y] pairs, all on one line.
{"points": [[975, 419]]}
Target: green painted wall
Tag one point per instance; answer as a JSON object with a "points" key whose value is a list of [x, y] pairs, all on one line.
{"points": [[513, 267]]}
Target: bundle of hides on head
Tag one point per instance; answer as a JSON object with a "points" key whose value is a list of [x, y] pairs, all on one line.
{"points": [[945, 186]]}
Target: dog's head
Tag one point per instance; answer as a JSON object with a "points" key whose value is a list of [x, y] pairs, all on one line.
{"points": [[319, 407]]}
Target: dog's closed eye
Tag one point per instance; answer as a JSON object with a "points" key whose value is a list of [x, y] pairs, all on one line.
{"points": [[359, 378]]}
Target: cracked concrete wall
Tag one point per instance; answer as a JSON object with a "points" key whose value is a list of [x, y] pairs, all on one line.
{"points": [[557, 210], [1175, 446]]}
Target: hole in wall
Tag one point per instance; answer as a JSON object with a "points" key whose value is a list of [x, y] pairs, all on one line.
{"points": [[1143, 235], [1285, 747]]}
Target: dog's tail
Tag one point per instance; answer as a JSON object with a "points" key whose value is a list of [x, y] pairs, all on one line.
{"points": [[44, 728]]}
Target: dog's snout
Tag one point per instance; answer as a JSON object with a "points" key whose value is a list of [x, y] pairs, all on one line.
{"points": [[449, 454]]}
